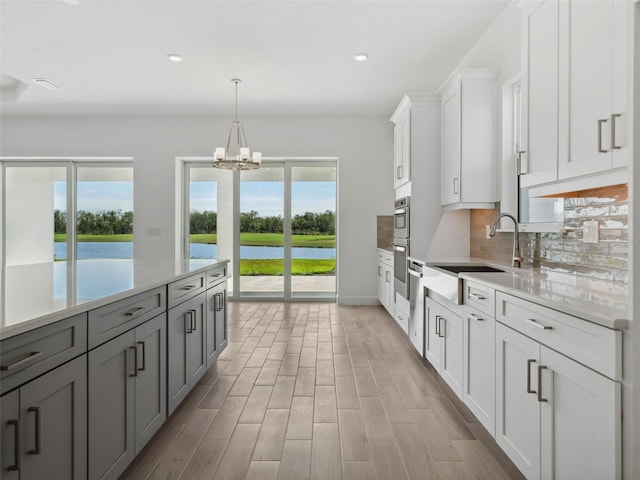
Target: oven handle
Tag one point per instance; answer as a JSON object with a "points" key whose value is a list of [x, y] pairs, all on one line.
{"points": [[400, 248], [415, 274], [400, 211]]}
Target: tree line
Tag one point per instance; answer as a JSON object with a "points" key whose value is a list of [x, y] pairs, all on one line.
{"points": [[105, 222], [308, 223], [115, 222]]}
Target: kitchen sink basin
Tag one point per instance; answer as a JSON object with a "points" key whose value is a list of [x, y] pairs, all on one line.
{"points": [[468, 268], [444, 280]]}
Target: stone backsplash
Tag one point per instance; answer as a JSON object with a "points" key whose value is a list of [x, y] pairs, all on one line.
{"points": [[566, 252]]}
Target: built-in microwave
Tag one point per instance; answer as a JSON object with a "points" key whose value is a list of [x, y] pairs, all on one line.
{"points": [[401, 218]]}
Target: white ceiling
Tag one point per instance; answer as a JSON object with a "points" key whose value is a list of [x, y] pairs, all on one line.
{"points": [[295, 57]]}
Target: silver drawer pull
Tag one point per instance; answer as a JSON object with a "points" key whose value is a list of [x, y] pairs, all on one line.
{"points": [[131, 313], [187, 287], [473, 316], [532, 321], [477, 296], [32, 356]]}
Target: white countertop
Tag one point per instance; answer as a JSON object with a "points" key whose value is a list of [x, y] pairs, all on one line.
{"points": [[598, 301], [39, 294]]}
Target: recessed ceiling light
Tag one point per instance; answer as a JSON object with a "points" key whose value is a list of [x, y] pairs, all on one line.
{"points": [[174, 57], [361, 57], [46, 83]]}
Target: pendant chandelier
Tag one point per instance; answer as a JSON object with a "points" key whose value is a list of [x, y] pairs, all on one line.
{"points": [[241, 158]]}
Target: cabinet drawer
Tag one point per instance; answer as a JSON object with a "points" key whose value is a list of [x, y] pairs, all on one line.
{"points": [[186, 288], [26, 356], [592, 345], [385, 257], [480, 297], [215, 275], [111, 320]]}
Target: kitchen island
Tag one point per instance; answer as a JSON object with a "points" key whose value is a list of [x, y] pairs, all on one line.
{"points": [[94, 356]]}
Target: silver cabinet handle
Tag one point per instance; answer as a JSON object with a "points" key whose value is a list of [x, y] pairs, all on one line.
{"points": [[144, 355], [135, 361], [387, 276], [36, 450], [379, 271], [220, 304], [187, 287], [29, 358], [455, 182], [540, 368], [437, 325], [529, 362], [398, 172], [613, 131], [474, 316], [188, 321], [131, 313], [194, 320], [16, 449], [443, 332], [600, 149], [477, 296], [520, 170], [534, 322]]}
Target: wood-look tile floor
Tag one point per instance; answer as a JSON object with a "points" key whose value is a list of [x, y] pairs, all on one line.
{"points": [[318, 391]]}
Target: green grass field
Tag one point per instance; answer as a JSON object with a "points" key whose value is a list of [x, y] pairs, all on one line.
{"points": [[252, 239], [299, 266]]}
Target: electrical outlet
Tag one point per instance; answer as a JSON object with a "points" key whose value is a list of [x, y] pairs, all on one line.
{"points": [[488, 229], [591, 231]]}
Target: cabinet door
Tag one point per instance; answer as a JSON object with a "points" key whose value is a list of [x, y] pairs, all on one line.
{"points": [[151, 382], [390, 292], [580, 421], [451, 330], [10, 459], [402, 150], [197, 340], [111, 407], [433, 342], [179, 326], [397, 155], [212, 344], [480, 368], [517, 406], [451, 148], [587, 50], [221, 317], [381, 283], [53, 414], [540, 94]]}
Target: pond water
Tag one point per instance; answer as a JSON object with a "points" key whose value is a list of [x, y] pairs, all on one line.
{"points": [[198, 250]]}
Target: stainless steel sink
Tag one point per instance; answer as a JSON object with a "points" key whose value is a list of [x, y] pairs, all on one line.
{"points": [[443, 278]]}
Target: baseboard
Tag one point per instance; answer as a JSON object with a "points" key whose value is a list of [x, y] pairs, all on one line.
{"points": [[342, 300]]}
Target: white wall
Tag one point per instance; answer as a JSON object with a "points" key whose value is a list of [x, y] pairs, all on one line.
{"points": [[363, 144]]}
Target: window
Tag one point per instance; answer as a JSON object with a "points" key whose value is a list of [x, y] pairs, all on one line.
{"points": [[65, 210], [277, 225]]}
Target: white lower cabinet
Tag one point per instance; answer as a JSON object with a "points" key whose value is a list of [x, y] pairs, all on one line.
{"points": [[127, 396], [479, 383], [444, 343], [386, 292], [43, 430], [556, 419]]}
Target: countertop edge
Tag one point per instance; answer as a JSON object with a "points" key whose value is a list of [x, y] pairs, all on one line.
{"points": [[44, 320], [614, 324]]}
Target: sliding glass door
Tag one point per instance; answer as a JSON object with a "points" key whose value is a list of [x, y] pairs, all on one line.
{"points": [[281, 231]]}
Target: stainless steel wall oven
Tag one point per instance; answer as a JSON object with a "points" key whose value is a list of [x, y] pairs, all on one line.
{"points": [[401, 224]]}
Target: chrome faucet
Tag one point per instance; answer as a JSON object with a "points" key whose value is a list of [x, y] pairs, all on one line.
{"points": [[517, 258]]}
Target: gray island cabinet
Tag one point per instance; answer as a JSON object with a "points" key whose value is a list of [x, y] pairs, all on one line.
{"points": [[83, 393]]}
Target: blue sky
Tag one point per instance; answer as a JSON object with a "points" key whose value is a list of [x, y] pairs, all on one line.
{"points": [[264, 197], [95, 196], [267, 198]]}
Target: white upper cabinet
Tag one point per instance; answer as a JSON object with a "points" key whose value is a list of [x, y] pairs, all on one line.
{"points": [[469, 139], [575, 84], [402, 148]]}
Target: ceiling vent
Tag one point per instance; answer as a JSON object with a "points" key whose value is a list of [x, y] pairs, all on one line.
{"points": [[46, 83]]}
